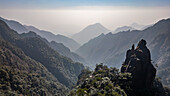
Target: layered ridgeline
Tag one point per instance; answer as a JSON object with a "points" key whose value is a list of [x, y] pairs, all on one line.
{"points": [[57, 42], [137, 77], [59, 47], [62, 68], [68, 42], [110, 48], [89, 32]]}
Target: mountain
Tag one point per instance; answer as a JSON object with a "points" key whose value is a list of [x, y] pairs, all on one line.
{"points": [[124, 28], [21, 75], [137, 77], [70, 43], [62, 68], [89, 32], [110, 48], [59, 47]]}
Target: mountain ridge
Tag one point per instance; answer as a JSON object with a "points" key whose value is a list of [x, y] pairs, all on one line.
{"points": [[68, 42], [59, 47]]}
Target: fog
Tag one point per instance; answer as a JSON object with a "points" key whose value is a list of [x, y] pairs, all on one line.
{"points": [[71, 20]]}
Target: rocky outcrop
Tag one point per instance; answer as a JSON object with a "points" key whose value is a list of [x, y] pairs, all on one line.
{"points": [[137, 77], [138, 63]]}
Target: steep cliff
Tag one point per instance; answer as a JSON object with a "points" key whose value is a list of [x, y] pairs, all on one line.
{"points": [[138, 63]]}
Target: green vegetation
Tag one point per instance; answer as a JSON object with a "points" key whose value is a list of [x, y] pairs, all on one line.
{"points": [[100, 83], [104, 81], [21, 75]]}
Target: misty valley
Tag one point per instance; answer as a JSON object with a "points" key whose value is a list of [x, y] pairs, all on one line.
{"points": [[132, 60]]}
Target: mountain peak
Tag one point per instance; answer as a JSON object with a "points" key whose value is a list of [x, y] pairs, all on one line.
{"points": [[90, 32], [96, 25]]}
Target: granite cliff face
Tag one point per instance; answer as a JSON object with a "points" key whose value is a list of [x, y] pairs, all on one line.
{"points": [[138, 63], [137, 77]]}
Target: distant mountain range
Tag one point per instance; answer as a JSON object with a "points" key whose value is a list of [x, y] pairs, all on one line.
{"points": [[95, 30], [68, 42], [110, 48], [89, 32], [133, 26], [139, 26]]}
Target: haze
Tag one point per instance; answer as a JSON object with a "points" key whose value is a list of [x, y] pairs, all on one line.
{"points": [[68, 20]]}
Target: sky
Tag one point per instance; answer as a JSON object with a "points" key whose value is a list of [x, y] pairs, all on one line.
{"points": [[71, 16]]}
